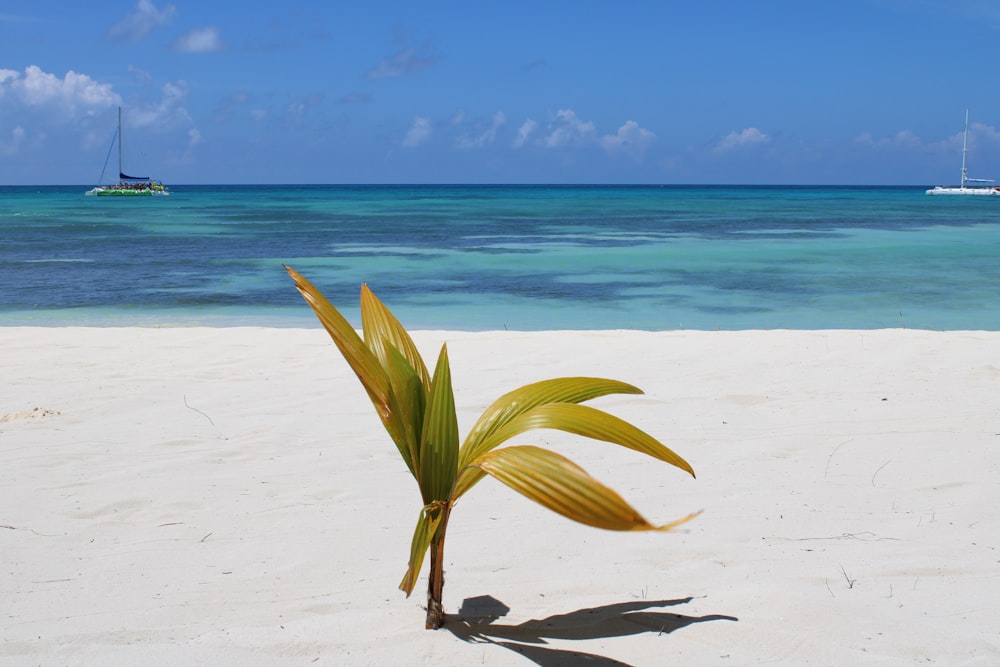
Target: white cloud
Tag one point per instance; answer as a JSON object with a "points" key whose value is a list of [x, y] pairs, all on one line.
{"points": [[979, 134], [73, 91], [983, 132], [903, 138], [748, 137], [568, 130], [523, 132], [194, 138], [6, 75], [139, 23], [419, 132], [906, 138], [199, 40], [630, 139], [485, 136], [169, 112]]}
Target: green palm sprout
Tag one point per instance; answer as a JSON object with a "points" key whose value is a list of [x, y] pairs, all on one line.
{"points": [[418, 411]]}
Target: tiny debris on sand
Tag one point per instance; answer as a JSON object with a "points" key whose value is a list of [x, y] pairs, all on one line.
{"points": [[33, 413]]}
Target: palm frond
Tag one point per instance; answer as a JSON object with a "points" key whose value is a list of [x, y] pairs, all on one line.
{"points": [[519, 401], [360, 358], [560, 485], [381, 326], [468, 477], [576, 419], [439, 441], [588, 422], [411, 400], [427, 525]]}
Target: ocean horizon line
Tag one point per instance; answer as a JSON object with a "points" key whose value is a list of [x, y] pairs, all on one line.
{"points": [[509, 185]]}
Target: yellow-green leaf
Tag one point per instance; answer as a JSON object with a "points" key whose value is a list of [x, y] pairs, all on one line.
{"points": [[468, 477], [588, 422], [361, 360], [411, 403], [439, 442], [427, 526], [519, 401], [381, 326], [560, 485]]}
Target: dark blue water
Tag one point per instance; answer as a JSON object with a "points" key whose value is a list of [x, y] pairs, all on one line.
{"points": [[535, 257]]}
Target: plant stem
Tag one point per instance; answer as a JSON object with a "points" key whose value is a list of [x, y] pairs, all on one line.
{"points": [[435, 581]]}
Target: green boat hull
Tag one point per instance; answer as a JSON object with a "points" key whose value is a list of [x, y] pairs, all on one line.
{"points": [[125, 193]]}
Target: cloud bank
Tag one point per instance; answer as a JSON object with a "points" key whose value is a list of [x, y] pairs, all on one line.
{"points": [[419, 132], [751, 136], [526, 130], [483, 136], [72, 93], [567, 129], [629, 140], [133, 27], [199, 40]]}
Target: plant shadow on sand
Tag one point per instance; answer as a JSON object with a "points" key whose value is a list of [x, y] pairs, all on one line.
{"points": [[475, 623]]}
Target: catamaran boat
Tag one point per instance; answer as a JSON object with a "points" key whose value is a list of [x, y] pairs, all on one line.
{"points": [[127, 186], [982, 191]]}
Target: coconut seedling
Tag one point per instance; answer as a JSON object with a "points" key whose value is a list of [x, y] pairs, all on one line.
{"points": [[417, 409]]}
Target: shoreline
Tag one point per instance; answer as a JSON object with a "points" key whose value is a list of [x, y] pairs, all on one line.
{"points": [[227, 495], [300, 326]]}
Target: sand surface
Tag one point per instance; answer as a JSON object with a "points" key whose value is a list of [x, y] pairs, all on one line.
{"points": [[228, 497]]}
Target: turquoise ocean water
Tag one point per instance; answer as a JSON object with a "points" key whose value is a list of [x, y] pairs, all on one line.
{"points": [[516, 257]]}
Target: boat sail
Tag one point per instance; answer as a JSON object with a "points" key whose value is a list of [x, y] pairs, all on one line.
{"points": [[982, 191], [127, 186]]}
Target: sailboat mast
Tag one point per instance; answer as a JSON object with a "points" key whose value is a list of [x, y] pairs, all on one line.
{"points": [[120, 142], [965, 147]]}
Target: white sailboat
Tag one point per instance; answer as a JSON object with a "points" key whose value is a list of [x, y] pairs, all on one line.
{"points": [[982, 191], [127, 186]]}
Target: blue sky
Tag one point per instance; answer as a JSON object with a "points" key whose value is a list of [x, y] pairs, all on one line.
{"points": [[763, 92]]}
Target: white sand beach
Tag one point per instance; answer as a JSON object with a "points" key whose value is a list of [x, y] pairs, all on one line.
{"points": [[228, 497]]}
